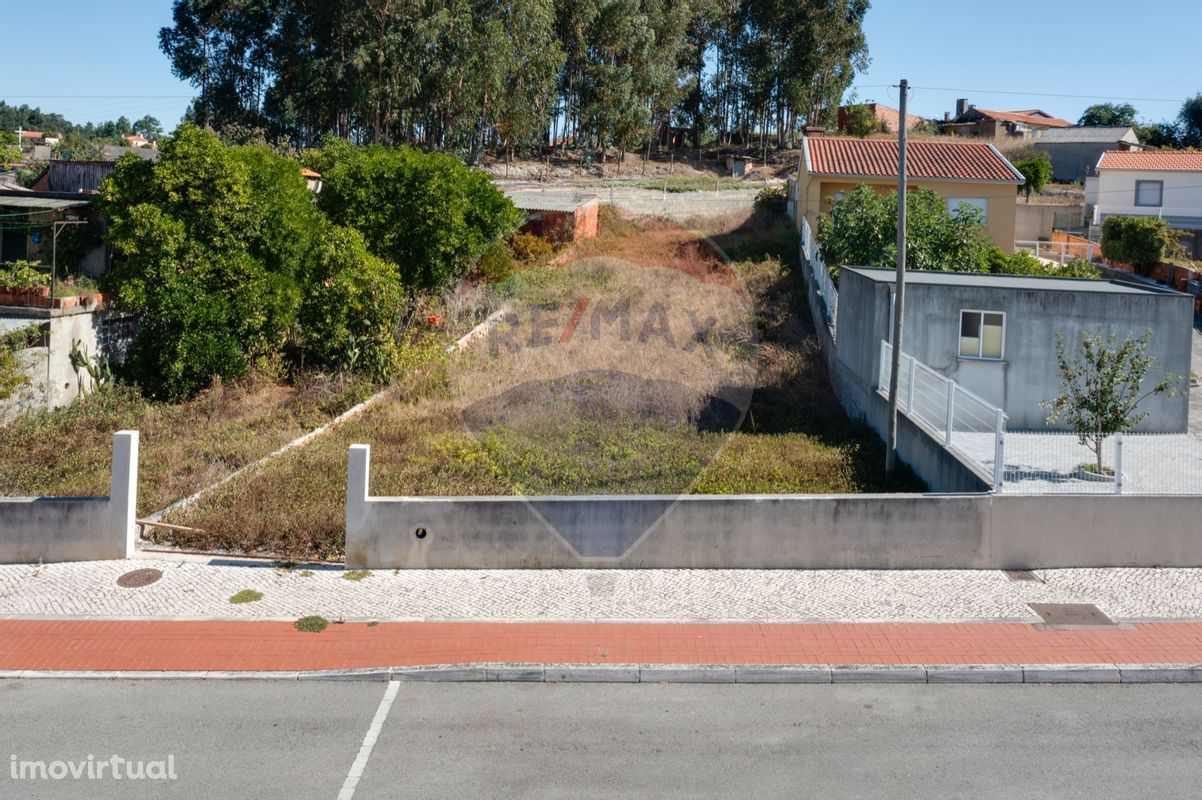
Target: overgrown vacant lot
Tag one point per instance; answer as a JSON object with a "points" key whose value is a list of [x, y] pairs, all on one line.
{"points": [[558, 401], [184, 447]]}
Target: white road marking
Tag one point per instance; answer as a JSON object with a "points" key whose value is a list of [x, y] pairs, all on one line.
{"points": [[369, 741]]}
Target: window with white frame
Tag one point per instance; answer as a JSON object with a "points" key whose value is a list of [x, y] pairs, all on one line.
{"points": [[1149, 193], [982, 334], [956, 204]]}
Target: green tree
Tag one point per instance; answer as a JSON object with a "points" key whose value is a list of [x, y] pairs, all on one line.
{"points": [[1108, 114], [10, 153], [210, 243], [149, 127], [1036, 171], [425, 212], [861, 230], [1101, 386], [1159, 134], [861, 121], [1139, 241], [1189, 122]]}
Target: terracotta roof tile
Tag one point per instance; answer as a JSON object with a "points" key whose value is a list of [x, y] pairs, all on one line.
{"points": [[877, 158], [1030, 117], [1165, 160]]}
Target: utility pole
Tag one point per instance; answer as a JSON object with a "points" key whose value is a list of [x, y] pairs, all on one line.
{"points": [[899, 294]]}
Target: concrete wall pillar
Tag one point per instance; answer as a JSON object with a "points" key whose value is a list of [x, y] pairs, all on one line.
{"points": [[123, 492], [357, 475]]}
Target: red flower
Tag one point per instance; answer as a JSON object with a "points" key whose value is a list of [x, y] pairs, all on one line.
{"points": [[434, 319]]}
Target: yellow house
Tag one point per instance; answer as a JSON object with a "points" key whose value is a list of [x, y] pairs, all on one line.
{"points": [[975, 173]]}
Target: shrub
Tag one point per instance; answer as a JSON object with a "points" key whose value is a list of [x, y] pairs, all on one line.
{"points": [[1021, 262], [861, 230], [861, 121], [528, 248], [425, 212], [23, 273], [1138, 241], [349, 316], [12, 373], [772, 199], [496, 264]]}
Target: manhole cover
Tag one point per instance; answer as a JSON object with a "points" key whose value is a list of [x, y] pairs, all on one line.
{"points": [[139, 577], [1072, 614], [1021, 575]]}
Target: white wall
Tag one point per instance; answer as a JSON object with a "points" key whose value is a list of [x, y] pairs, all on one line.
{"points": [[45, 529], [1116, 194], [966, 531], [98, 331]]}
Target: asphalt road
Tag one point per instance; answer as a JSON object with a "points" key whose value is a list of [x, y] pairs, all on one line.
{"points": [[299, 740]]}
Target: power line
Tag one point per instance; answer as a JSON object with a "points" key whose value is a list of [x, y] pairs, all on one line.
{"points": [[1029, 94], [1175, 77], [102, 96]]}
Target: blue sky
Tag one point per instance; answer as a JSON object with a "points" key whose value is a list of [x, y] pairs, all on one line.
{"points": [[94, 50], [1085, 47]]}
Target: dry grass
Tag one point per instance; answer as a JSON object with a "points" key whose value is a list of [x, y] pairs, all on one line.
{"points": [[550, 423], [184, 447]]}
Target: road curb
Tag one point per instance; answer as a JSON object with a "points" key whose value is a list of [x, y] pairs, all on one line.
{"points": [[942, 674]]}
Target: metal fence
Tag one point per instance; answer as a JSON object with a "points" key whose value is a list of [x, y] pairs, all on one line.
{"points": [[959, 418], [1133, 463], [1040, 462], [811, 254]]}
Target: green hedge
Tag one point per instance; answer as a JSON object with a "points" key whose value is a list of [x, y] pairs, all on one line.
{"points": [[1138, 241]]}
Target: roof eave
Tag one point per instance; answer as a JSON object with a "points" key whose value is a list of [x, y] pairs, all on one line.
{"points": [[911, 177]]}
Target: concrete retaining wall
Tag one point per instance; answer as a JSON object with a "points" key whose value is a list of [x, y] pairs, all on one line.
{"points": [[767, 531], [920, 450], [47, 529]]}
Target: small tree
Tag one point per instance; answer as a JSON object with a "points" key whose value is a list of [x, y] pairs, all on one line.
{"points": [[1100, 386], [10, 151], [861, 121], [1139, 241], [861, 231], [1037, 173]]}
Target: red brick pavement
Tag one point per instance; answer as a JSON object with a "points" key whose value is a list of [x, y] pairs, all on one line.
{"points": [[164, 645]]}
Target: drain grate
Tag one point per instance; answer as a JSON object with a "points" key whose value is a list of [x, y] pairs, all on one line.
{"points": [[1020, 575], [1076, 615], [139, 577]]}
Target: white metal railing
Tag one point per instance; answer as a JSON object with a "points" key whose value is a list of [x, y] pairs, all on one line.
{"points": [[1061, 252], [1039, 462], [811, 254], [957, 418]]}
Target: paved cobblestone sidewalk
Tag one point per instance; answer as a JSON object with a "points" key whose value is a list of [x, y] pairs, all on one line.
{"points": [[191, 589]]}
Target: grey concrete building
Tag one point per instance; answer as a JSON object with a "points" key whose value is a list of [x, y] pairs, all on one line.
{"points": [[996, 334], [1075, 151]]}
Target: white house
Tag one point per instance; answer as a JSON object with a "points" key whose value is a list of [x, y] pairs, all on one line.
{"points": [[1150, 183]]}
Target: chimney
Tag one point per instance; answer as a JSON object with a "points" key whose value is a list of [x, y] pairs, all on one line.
{"points": [[961, 107], [813, 130]]}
